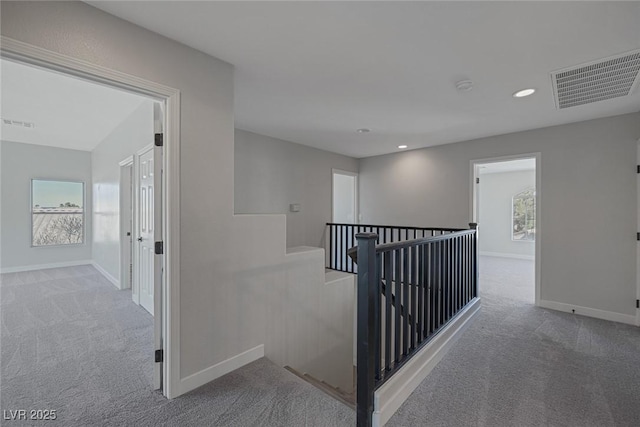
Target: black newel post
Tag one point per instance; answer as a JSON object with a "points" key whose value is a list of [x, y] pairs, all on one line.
{"points": [[476, 259], [366, 333]]}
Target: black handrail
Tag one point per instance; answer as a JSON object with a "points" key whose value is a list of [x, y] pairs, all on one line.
{"points": [[399, 226], [433, 280], [341, 237]]}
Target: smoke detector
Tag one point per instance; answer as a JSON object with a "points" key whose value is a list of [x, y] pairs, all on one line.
{"points": [[595, 81], [18, 123], [464, 85]]}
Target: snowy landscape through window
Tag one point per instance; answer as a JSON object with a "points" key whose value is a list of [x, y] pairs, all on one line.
{"points": [[57, 212]]}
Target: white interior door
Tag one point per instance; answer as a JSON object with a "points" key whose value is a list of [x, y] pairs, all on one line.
{"points": [[146, 225], [345, 211], [345, 201]]}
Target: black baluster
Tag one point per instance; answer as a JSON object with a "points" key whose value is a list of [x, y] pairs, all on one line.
{"points": [[378, 316], [414, 299], [405, 301], [387, 314], [420, 284], [397, 341]]}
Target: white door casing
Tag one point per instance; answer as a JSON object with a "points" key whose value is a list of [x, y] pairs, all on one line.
{"points": [[158, 233], [167, 326], [638, 241], [475, 197]]}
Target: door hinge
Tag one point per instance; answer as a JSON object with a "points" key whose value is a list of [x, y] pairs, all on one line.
{"points": [[477, 180], [638, 303], [159, 249], [159, 140], [638, 236], [159, 356], [638, 169]]}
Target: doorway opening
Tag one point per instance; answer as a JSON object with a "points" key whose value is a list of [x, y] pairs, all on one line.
{"points": [[506, 207], [126, 225], [112, 189], [345, 197], [344, 211]]}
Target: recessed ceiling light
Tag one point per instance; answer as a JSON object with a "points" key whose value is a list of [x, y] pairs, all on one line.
{"points": [[524, 92], [402, 147], [363, 130]]}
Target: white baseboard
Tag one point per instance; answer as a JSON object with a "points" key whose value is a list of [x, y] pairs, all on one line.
{"points": [[219, 369], [106, 274], [590, 312], [506, 255], [45, 266], [392, 394]]}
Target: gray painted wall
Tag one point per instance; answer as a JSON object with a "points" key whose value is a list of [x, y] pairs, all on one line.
{"points": [[227, 261], [496, 193], [206, 84], [20, 164], [270, 174], [588, 259], [132, 134]]}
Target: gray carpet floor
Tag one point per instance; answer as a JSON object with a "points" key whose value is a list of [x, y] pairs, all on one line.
{"points": [[71, 342], [519, 365]]}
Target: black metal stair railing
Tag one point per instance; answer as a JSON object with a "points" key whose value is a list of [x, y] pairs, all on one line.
{"points": [[407, 292], [341, 237]]}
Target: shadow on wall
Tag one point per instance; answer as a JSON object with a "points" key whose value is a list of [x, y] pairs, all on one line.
{"points": [[302, 319], [271, 174]]}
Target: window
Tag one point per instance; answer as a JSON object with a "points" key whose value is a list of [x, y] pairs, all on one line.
{"points": [[524, 216], [57, 212]]}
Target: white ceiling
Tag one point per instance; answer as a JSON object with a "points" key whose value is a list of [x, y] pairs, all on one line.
{"points": [[67, 112], [314, 72], [508, 166]]}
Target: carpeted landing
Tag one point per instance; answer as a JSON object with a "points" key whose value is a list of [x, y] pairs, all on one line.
{"points": [[72, 342], [518, 365]]}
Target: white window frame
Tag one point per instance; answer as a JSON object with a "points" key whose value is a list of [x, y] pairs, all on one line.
{"points": [[534, 213], [84, 213]]}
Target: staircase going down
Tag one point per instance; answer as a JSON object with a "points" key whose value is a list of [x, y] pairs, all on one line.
{"points": [[348, 399]]}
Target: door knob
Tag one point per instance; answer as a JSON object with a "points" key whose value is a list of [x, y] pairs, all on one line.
{"points": [[139, 239]]}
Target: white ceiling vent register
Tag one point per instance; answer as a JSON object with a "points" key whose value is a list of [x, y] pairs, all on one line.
{"points": [[20, 123], [596, 81]]}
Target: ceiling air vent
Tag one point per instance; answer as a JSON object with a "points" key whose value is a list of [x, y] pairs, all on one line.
{"points": [[596, 81], [20, 123]]}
